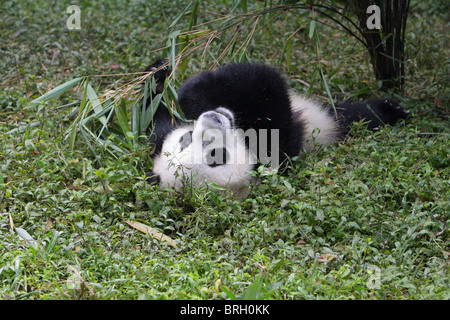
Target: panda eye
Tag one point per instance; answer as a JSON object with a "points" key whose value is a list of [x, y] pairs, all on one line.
{"points": [[216, 118], [227, 114]]}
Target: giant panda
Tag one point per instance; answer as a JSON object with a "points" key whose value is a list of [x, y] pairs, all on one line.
{"points": [[237, 107]]}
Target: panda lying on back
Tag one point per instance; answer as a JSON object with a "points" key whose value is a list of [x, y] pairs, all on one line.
{"points": [[246, 115]]}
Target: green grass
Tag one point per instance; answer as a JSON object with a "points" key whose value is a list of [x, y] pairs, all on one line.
{"points": [[376, 201]]}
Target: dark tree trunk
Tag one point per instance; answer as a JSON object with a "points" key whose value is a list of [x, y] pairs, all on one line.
{"points": [[386, 45]]}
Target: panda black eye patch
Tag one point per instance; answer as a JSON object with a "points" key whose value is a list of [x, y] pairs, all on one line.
{"points": [[185, 140], [217, 157]]}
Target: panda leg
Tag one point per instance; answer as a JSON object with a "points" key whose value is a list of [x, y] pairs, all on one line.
{"points": [[377, 112]]}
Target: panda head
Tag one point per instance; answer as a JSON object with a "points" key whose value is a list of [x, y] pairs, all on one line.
{"points": [[209, 151]]}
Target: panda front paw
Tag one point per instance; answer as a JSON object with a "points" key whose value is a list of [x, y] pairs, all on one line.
{"points": [[152, 178]]}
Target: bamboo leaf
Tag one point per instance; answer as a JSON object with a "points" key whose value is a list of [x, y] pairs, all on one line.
{"points": [[106, 108], [121, 114], [194, 13], [150, 83], [172, 44], [174, 23], [59, 90], [312, 28], [151, 231], [193, 35], [11, 222], [135, 120], [288, 50], [72, 136], [23, 234], [74, 126], [96, 104], [170, 94], [244, 6], [150, 112]]}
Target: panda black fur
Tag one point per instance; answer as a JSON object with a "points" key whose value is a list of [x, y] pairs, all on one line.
{"points": [[162, 122], [257, 97]]}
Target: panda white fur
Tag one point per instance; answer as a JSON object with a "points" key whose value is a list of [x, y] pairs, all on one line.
{"points": [[235, 99], [319, 127]]}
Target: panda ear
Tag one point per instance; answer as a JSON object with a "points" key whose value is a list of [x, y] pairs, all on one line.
{"points": [[217, 157], [152, 178], [161, 74]]}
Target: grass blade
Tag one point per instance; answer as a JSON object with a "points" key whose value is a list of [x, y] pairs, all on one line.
{"points": [[327, 89], [228, 292], [86, 139], [175, 22]]}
